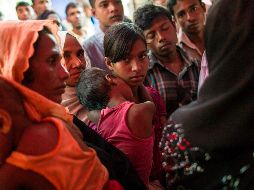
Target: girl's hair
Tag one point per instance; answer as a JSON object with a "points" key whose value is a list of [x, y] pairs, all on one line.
{"points": [[119, 39]]}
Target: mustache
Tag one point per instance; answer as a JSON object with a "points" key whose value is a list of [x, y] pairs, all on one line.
{"points": [[115, 16], [166, 43]]}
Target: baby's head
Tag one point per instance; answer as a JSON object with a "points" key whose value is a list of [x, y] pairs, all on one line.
{"points": [[96, 87], [93, 89]]}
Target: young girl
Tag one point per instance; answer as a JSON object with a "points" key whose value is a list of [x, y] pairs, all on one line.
{"points": [[126, 125], [75, 61], [126, 56]]}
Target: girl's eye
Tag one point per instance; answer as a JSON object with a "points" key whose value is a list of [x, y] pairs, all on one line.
{"points": [[143, 55], [67, 55]]}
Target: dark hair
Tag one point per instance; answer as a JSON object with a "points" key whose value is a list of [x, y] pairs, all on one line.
{"points": [[127, 19], [22, 3], [145, 15], [46, 13], [172, 3], [119, 39], [28, 74], [92, 3], [71, 5], [93, 89]]}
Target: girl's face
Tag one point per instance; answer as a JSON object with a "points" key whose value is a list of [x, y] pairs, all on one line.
{"points": [[133, 69]]}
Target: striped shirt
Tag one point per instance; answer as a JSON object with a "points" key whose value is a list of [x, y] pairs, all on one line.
{"points": [[175, 90]]}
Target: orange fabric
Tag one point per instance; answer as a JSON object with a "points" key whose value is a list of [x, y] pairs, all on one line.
{"points": [[39, 107], [86, 172], [16, 47]]}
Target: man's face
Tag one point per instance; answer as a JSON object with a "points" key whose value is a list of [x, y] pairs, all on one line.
{"points": [[74, 59], [161, 37], [108, 12], [190, 15], [45, 66], [40, 6], [160, 3], [74, 17], [24, 12], [56, 20]]}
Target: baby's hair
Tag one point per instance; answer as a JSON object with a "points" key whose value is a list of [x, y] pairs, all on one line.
{"points": [[93, 89]]}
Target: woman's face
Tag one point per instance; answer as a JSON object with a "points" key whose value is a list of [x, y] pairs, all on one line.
{"points": [[133, 69], [74, 59], [45, 66]]}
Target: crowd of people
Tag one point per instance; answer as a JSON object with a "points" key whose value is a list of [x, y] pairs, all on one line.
{"points": [[160, 102]]}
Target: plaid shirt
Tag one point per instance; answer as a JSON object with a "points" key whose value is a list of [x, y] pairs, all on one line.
{"points": [[174, 90]]}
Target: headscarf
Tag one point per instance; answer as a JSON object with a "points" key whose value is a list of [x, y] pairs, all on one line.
{"points": [[69, 98], [223, 115], [16, 47], [62, 35]]}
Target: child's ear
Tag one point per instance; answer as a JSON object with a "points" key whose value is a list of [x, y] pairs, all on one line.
{"points": [[108, 63]]}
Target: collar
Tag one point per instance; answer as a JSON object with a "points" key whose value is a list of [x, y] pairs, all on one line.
{"points": [[187, 62], [183, 39]]}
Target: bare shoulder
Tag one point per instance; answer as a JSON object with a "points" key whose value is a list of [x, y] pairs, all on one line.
{"points": [[39, 139], [145, 108], [139, 119]]}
